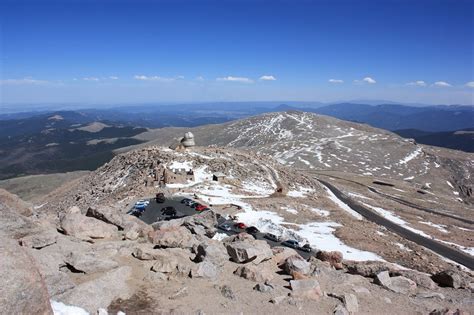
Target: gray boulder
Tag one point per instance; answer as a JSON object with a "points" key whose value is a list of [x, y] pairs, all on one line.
{"points": [[212, 251], [90, 262], [396, 284], [100, 292], [173, 237], [86, 228], [306, 288], [421, 279], [23, 290], [350, 302], [296, 264], [245, 251], [206, 270], [281, 253], [367, 268], [258, 273], [39, 240], [172, 262]]}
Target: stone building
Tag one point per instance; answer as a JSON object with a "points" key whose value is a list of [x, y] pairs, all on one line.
{"points": [[184, 143]]}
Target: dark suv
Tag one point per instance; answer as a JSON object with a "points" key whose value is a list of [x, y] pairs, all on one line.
{"points": [[168, 211]]}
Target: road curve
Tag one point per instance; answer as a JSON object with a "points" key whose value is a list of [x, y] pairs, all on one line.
{"points": [[439, 248]]}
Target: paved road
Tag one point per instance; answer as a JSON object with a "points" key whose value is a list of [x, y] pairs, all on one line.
{"points": [[439, 248], [400, 200]]}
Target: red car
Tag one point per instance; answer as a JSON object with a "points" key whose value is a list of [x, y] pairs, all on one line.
{"points": [[200, 207], [240, 225]]}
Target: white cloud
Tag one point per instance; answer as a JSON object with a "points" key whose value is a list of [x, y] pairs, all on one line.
{"points": [[442, 84], [369, 80], [27, 80], [335, 81], [470, 84], [235, 79], [267, 78], [112, 77], [153, 78], [200, 78], [91, 79], [417, 83]]}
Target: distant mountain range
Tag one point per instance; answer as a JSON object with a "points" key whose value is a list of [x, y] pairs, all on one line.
{"points": [[45, 142]]}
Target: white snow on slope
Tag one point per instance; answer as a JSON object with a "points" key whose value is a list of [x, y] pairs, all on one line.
{"points": [[410, 156], [300, 192], [440, 227], [342, 205], [318, 234], [187, 165]]}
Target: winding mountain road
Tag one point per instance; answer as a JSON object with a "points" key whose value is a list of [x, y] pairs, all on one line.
{"points": [[437, 247]]}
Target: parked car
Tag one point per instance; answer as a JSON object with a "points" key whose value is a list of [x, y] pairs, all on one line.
{"points": [[252, 230], [225, 227], [168, 211], [306, 248], [140, 206], [271, 237], [194, 205], [291, 243], [240, 225], [200, 207], [189, 202], [160, 197], [185, 200]]}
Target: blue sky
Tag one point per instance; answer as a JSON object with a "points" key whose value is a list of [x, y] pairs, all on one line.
{"points": [[193, 51]]}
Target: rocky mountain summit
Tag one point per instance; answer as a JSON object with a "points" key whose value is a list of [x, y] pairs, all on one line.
{"points": [[79, 251], [321, 143]]}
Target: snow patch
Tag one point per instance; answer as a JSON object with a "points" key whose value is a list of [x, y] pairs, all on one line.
{"points": [[342, 205], [63, 309]]}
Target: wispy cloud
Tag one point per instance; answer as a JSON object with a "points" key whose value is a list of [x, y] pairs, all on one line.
{"points": [[112, 77], [470, 84], [235, 79], [367, 80], [442, 84], [417, 83], [23, 81], [267, 78], [153, 78], [91, 79], [199, 78], [337, 81]]}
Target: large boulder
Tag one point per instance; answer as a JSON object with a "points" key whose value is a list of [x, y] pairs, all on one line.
{"points": [[90, 262], [450, 278], [281, 253], [132, 227], [205, 269], [396, 284], [246, 251], [86, 228], [172, 262], [40, 240], [334, 258], [100, 292], [367, 268], [296, 264], [212, 251], [173, 237], [306, 288], [258, 273], [23, 290], [421, 279]]}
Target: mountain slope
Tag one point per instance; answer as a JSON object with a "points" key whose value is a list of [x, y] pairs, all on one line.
{"points": [[320, 143]]}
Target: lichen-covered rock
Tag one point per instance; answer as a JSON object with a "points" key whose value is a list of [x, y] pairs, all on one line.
{"points": [[82, 227], [173, 237], [296, 264]]}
